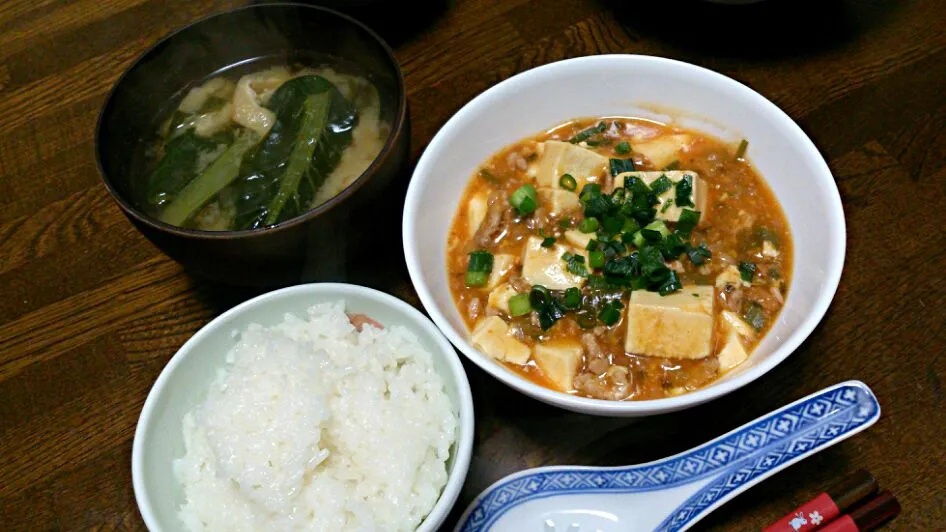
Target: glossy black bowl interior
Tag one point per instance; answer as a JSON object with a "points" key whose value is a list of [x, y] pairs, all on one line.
{"points": [[305, 248]]}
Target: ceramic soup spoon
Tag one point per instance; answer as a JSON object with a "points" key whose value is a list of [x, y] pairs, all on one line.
{"points": [[673, 493]]}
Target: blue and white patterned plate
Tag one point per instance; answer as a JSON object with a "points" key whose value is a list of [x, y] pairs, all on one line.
{"points": [[673, 493]]}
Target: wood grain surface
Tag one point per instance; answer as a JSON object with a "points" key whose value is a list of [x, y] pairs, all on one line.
{"points": [[90, 311]]}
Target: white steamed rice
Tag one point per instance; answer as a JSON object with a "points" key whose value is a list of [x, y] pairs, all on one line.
{"points": [[315, 426]]}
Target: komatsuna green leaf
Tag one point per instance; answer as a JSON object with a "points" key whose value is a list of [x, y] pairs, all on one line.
{"points": [[177, 167], [262, 200]]}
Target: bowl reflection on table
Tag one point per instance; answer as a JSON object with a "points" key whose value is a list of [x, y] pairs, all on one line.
{"points": [[647, 87], [310, 246]]}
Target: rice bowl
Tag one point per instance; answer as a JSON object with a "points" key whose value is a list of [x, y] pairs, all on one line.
{"points": [[304, 422]]}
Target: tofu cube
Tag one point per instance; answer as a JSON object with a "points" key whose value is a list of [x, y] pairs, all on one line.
{"points": [[768, 249], [475, 213], [733, 352], [679, 325], [566, 158], [663, 150], [492, 336], [503, 264], [732, 322], [499, 297], [545, 266], [559, 361], [578, 239], [672, 213], [558, 200], [730, 276]]}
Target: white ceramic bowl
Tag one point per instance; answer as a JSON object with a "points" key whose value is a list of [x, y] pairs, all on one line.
{"points": [[651, 87], [184, 381]]}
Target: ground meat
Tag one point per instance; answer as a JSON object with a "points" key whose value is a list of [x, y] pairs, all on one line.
{"points": [[540, 219], [591, 385], [777, 294], [474, 308], [360, 320], [498, 216], [600, 387], [520, 284], [596, 359], [517, 160], [731, 297]]}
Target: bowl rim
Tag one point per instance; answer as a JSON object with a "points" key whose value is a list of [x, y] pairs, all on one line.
{"points": [[401, 117], [836, 225], [465, 426]]}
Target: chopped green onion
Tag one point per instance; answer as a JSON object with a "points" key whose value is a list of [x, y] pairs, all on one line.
{"points": [[596, 259], [476, 278], [588, 225], [589, 191], [480, 261], [651, 235], [675, 165], [549, 309], [685, 191], [568, 182], [667, 205], [572, 299], [672, 247], [588, 133], [754, 315], [519, 305], [585, 319], [619, 166], [699, 254], [487, 175], [610, 312], [478, 268], [623, 148], [630, 226], [671, 285], [688, 220], [652, 262], [575, 264], [741, 150], [659, 226], [747, 271], [524, 199], [598, 206], [565, 223], [618, 196], [548, 241], [661, 185], [612, 224]]}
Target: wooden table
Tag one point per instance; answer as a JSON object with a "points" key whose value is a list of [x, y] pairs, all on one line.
{"points": [[91, 311]]}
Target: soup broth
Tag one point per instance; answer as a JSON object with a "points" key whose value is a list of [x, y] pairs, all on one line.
{"points": [[261, 144], [619, 258]]}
